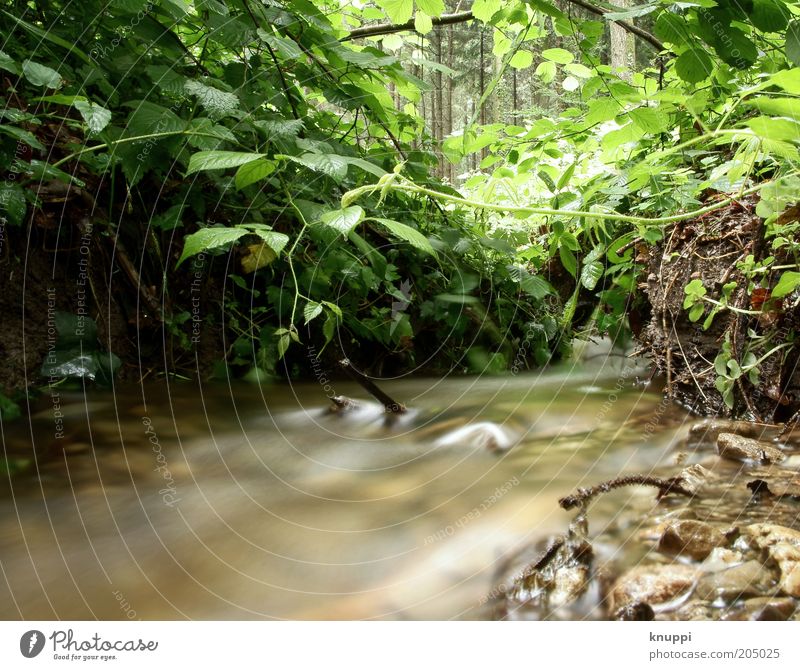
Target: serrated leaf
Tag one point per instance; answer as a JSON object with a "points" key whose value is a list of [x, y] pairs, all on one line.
{"points": [[793, 42], [41, 75], [311, 311], [330, 164], [431, 7], [96, 116], [253, 171], [206, 239], [219, 160], [398, 11], [343, 220], [216, 102], [275, 241], [483, 10], [771, 16], [7, 63], [693, 65], [408, 234], [258, 256], [590, 274]]}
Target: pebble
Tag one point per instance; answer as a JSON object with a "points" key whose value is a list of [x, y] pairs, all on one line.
{"points": [[748, 579], [652, 584], [783, 546], [762, 609], [737, 448], [690, 538]]}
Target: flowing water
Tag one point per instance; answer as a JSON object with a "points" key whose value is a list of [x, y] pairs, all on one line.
{"points": [[230, 502]]}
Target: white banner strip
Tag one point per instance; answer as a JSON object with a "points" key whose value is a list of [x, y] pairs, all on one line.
{"points": [[398, 645]]}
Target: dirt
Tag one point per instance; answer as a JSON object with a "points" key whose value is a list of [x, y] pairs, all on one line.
{"points": [[709, 248]]}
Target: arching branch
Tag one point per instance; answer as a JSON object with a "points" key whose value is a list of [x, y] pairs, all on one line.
{"points": [[462, 17]]}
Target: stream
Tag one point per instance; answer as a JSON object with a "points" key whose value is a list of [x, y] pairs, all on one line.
{"points": [[173, 500]]}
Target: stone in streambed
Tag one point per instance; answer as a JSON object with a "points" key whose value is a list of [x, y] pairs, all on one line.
{"points": [[748, 579], [652, 584], [737, 448], [783, 546], [690, 538], [763, 609]]}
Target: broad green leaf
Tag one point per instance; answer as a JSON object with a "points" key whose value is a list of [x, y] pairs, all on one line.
{"points": [[769, 128], [431, 7], [422, 23], [96, 116], [219, 160], [649, 119], [590, 274], [521, 60], [41, 75], [561, 56], [570, 84], [330, 164], [771, 16], [788, 107], [12, 204], [793, 42], [7, 63], [253, 171], [546, 71], [408, 234], [398, 11], [788, 80], [216, 102], [24, 135], [788, 282], [672, 28], [286, 48], [483, 10], [275, 241], [693, 65], [206, 239], [343, 220], [311, 311]]}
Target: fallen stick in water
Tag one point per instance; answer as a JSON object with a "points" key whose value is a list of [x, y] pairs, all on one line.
{"points": [[391, 405]]}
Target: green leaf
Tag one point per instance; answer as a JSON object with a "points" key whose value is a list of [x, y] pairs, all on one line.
{"points": [[253, 171], [41, 75], [649, 119], [793, 42], [311, 311], [275, 241], [330, 164], [219, 160], [283, 344], [590, 274], [96, 116], [12, 204], [398, 11], [7, 63], [771, 16], [693, 65], [483, 10], [422, 23], [521, 60], [672, 28], [206, 239], [568, 260], [788, 107], [788, 282], [546, 71], [343, 220], [431, 7], [768, 128], [561, 56], [408, 234], [216, 102]]}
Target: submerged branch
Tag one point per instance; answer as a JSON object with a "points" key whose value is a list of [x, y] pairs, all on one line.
{"points": [[389, 403]]}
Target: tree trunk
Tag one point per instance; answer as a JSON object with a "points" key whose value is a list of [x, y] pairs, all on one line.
{"points": [[623, 47]]}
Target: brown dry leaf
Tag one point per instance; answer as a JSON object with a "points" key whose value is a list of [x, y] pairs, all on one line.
{"points": [[258, 256]]}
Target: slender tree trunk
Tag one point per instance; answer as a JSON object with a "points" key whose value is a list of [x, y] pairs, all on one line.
{"points": [[450, 85], [623, 47]]}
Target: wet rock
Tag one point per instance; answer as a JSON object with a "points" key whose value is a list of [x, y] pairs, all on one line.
{"points": [[695, 610], [656, 585], [763, 609], [721, 559], [690, 538], [737, 448], [783, 546], [635, 612], [694, 478], [748, 579]]}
